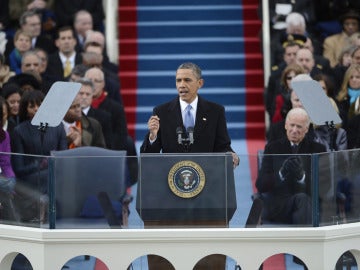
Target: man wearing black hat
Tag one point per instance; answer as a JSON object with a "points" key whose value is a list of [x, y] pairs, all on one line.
{"points": [[334, 44]]}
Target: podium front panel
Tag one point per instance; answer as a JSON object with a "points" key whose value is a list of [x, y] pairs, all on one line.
{"points": [[185, 188]]}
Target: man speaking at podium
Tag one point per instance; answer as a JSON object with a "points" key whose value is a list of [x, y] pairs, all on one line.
{"points": [[188, 123]]}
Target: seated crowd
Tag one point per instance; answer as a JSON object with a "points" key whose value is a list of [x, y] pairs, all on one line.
{"points": [[336, 66], [49, 41], [283, 182]]}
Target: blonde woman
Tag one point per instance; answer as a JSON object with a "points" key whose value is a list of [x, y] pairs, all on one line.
{"points": [[349, 92]]}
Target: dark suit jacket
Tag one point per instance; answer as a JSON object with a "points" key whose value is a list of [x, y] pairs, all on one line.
{"points": [[91, 134], [268, 179], [279, 191], [118, 122], [353, 132], [104, 118], [55, 68], [210, 130], [112, 86]]}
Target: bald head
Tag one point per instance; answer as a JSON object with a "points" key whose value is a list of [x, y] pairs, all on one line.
{"points": [[96, 75]]}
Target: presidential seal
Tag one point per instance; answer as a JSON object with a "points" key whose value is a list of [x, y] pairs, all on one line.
{"points": [[186, 179]]}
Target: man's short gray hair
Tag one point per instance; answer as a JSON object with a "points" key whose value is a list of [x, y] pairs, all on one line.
{"points": [[195, 68], [27, 14], [301, 112], [86, 82]]}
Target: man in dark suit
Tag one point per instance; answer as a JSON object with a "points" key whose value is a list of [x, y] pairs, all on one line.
{"points": [[104, 118], [63, 61], [284, 179], [101, 100], [66, 9], [80, 129], [210, 134], [112, 82], [210, 131], [83, 22]]}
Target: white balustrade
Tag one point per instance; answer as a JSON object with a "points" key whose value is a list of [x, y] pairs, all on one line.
{"points": [[319, 248]]}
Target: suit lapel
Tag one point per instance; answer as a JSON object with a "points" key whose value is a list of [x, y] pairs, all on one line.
{"points": [[175, 112], [201, 116]]}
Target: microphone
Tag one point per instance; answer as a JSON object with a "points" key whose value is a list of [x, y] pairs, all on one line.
{"points": [[190, 131], [179, 132]]}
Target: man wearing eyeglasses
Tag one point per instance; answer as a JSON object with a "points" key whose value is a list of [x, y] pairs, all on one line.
{"points": [[101, 100]]}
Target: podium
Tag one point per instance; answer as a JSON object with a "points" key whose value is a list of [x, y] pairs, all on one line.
{"points": [[186, 190]]}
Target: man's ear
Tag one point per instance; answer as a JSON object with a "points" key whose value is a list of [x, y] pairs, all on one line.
{"points": [[201, 83], [307, 129]]}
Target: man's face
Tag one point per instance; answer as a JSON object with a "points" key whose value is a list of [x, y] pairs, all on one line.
{"points": [[74, 112], [351, 26], [295, 29], [30, 63], [66, 42], [91, 59], [304, 58], [296, 128], [97, 77], [94, 49], [187, 84], [290, 54], [83, 23], [86, 94], [96, 36], [43, 65], [32, 26]]}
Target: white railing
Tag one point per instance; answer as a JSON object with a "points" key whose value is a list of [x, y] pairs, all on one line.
{"points": [[266, 39], [319, 248], [111, 26]]}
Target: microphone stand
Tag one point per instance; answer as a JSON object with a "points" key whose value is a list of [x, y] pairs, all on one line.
{"points": [[188, 140], [332, 132], [42, 205]]}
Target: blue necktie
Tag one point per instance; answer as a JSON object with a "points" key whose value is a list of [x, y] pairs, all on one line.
{"points": [[188, 118]]}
